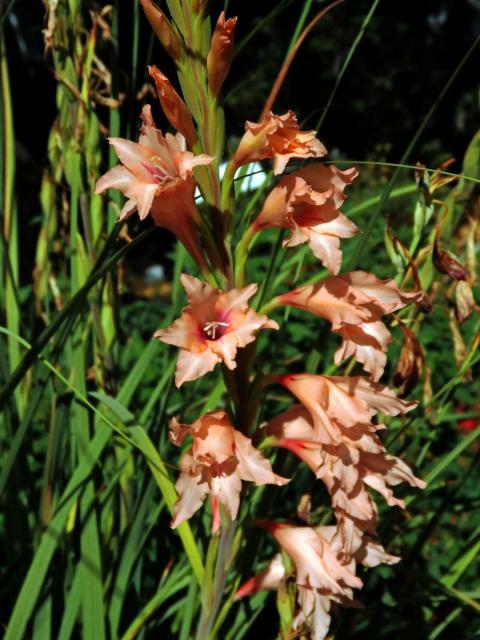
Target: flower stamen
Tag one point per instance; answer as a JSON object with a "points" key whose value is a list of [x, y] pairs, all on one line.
{"points": [[210, 329]]}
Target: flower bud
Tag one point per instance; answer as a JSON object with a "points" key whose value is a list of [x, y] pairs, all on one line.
{"points": [[220, 55], [173, 106], [163, 28]]}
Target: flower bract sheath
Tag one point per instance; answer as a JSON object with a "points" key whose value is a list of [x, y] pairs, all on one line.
{"points": [[156, 177], [211, 328], [219, 458], [278, 138]]}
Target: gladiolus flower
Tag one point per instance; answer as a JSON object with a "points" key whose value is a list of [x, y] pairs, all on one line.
{"points": [[348, 468], [279, 138], [367, 342], [336, 403], [322, 576], [156, 177], [211, 328], [316, 565], [354, 303], [332, 299], [174, 108], [220, 56], [219, 458], [312, 215]]}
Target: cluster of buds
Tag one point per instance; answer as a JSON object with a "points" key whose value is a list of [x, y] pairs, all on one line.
{"points": [[332, 429]]}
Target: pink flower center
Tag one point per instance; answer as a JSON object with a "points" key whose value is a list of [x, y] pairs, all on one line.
{"points": [[215, 330], [157, 170]]}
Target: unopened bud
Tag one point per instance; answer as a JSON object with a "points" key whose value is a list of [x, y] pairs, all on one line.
{"points": [[220, 55], [163, 29], [174, 108]]}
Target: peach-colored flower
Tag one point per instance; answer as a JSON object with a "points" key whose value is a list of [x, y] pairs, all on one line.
{"points": [[220, 56], [279, 138], [384, 295], [311, 215], [156, 177], [316, 564], [211, 328], [336, 403], [367, 342], [174, 108], [347, 469], [315, 550], [219, 458], [332, 299], [354, 303], [322, 177]]}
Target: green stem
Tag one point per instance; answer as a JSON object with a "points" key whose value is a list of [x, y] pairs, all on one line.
{"points": [[270, 306], [223, 560], [227, 191], [241, 255]]}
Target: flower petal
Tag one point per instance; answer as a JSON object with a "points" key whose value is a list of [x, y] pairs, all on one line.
{"points": [[252, 465]]}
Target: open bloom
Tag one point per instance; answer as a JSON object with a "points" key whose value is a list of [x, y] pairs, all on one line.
{"points": [[354, 303], [156, 177], [339, 403], [311, 212], [219, 458], [279, 138], [211, 328], [347, 469], [322, 576]]}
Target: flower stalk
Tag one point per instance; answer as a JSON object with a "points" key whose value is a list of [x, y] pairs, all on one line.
{"points": [[332, 428]]}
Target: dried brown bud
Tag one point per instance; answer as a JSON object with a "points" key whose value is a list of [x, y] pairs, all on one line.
{"points": [[459, 349], [175, 109], [220, 55], [446, 263], [410, 363], [163, 29], [464, 302]]}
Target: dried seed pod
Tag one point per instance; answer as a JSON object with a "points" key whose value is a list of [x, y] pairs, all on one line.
{"points": [[464, 301], [445, 263], [410, 364]]}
